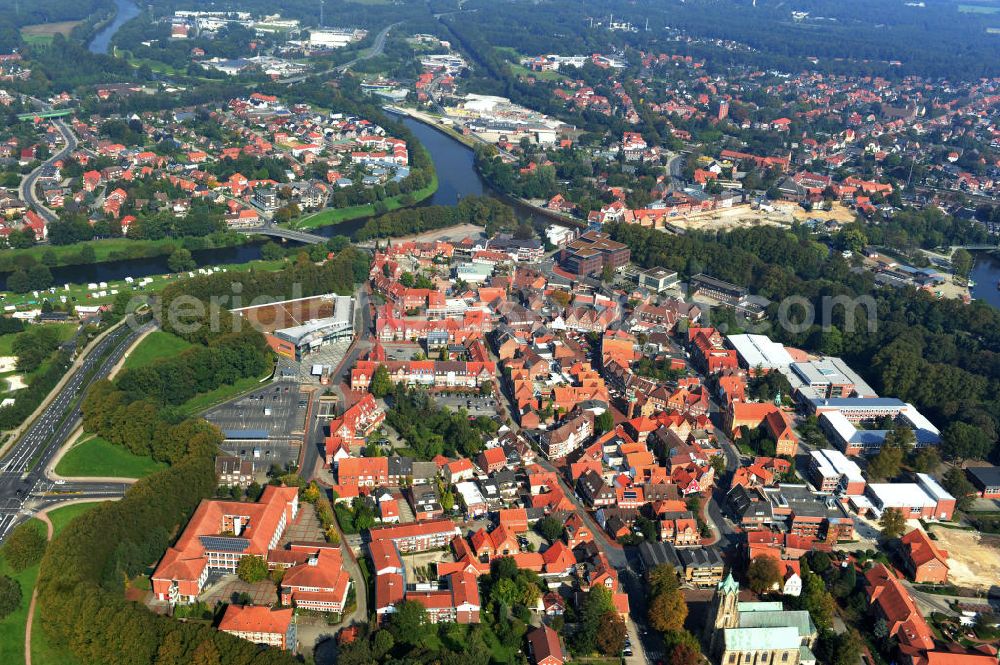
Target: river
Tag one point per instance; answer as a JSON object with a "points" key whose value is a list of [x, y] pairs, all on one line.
{"points": [[157, 265], [126, 11], [986, 275], [457, 178], [456, 173]]}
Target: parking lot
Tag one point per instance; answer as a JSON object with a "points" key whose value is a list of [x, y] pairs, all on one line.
{"points": [[265, 426], [329, 355], [474, 404], [277, 409], [402, 351]]}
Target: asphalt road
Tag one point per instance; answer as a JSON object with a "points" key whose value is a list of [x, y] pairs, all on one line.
{"points": [[315, 435], [27, 188], [22, 470]]}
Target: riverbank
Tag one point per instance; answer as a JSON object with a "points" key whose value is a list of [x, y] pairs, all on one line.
{"points": [[113, 249], [331, 216], [470, 142], [82, 294]]}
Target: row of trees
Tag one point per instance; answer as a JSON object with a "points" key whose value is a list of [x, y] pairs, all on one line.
{"points": [[482, 211]]}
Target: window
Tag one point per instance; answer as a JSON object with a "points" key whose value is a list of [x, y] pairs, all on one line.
{"points": [[784, 657]]}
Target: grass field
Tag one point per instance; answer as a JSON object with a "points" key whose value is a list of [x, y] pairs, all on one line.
{"points": [[156, 345], [94, 456], [42, 33], [204, 401], [524, 72], [12, 627], [337, 215], [66, 331], [80, 294], [66, 254]]}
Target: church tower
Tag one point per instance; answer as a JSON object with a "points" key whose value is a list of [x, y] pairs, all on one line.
{"points": [[724, 612]]}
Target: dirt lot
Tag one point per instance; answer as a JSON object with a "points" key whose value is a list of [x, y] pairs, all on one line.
{"points": [[744, 216], [974, 558], [268, 318]]}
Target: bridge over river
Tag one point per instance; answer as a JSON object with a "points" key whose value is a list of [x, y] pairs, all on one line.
{"points": [[287, 234]]}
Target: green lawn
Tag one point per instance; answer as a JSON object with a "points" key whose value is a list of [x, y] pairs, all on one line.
{"points": [[156, 345], [7, 344], [95, 456], [337, 215], [60, 517], [66, 254], [205, 401], [521, 70]]}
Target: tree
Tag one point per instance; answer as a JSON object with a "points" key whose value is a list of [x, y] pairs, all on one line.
{"points": [[10, 595], [206, 654], [381, 382], [892, 523], [611, 633], [550, 528], [763, 574], [604, 422], [961, 262], [886, 463], [407, 623], [684, 654], [667, 609], [271, 251], [251, 569], [382, 643], [962, 441], [24, 547], [927, 460], [180, 260], [959, 487]]}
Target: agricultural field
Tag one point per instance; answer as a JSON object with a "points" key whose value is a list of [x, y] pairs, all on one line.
{"points": [[42, 33]]}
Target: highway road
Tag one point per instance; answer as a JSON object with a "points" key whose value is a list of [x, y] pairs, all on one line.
{"points": [[376, 49], [27, 188], [23, 484]]}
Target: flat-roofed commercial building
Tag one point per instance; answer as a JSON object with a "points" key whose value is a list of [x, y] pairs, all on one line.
{"points": [[591, 252], [923, 499], [828, 377], [760, 352]]}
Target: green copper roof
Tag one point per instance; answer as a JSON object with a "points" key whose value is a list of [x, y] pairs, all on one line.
{"points": [[761, 639], [729, 585], [798, 619]]}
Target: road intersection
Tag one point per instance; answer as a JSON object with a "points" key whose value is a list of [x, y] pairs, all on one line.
{"points": [[24, 486]]}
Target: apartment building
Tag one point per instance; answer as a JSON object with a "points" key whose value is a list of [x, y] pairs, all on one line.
{"points": [[261, 625], [219, 534]]}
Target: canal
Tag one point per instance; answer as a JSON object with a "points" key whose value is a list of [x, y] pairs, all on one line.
{"points": [[126, 11]]}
